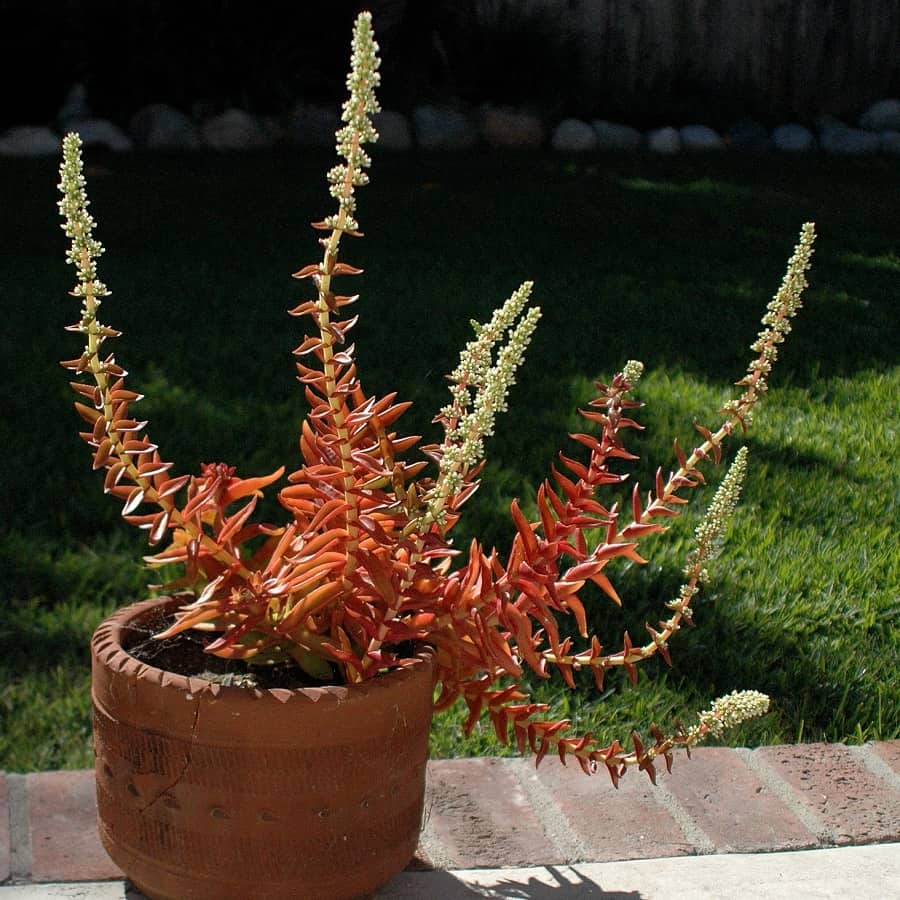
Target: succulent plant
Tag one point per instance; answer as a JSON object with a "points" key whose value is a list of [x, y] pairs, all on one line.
{"points": [[365, 567]]}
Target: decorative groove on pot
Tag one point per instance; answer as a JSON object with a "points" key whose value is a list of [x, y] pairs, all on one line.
{"points": [[210, 791]]}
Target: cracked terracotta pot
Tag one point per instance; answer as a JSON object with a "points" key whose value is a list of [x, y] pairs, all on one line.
{"points": [[207, 791]]}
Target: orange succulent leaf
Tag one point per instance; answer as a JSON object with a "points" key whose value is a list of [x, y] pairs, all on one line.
{"points": [[345, 269], [603, 582], [308, 271], [636, 529], [235, 488], [526, 533]]}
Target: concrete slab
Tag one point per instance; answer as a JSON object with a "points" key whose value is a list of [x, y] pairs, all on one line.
{"points": [[843, 873], [83, 890]]}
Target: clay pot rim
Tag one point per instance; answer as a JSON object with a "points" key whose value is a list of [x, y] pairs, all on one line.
{"points": [[107, 645]]}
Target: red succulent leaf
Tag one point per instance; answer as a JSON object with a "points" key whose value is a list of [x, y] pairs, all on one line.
{"points": [[307, 308], [529, 541], [235, 488], [309, 345], [606, 586], [342, 268], [308, 271], [638, 530]]}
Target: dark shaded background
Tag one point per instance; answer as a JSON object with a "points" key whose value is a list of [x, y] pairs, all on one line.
{"points": [[805, 57], [205, 56]]}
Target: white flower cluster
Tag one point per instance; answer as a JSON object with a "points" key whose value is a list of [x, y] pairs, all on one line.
{"points": [[358, 130], [632, 372], [710, 533], [733, 709], [777, 321], [475, 361], [787, 301], [480, 388], [79, 224]]}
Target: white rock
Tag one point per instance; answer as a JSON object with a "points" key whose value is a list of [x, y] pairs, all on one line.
{"points": [[882, 116], [664, 140], [749, 135], [614, 136], [101, 133], [233, 129], [841, 140], [573, 136], [793, 138], [162, 127], [700, 138], [313, 126], [394, 131], [75, 106], [890, 142], [506, 128], [28, 140], [443, 128]]}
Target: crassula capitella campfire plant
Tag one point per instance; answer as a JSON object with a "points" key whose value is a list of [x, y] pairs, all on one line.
{"points": [[364, 568]]}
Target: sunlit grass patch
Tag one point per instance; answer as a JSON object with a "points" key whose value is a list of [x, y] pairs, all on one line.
{"points": [[668, 261]]}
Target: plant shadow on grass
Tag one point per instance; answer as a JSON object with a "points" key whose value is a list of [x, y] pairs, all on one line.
{"points": [[787, 460], [45, 685], [54, 599], [696, 244]]}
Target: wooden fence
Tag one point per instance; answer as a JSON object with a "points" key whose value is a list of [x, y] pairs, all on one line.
{"points": [[787, 58], [778, 59]]}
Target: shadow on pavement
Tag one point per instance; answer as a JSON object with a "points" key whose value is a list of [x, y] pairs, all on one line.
{"points": [[550, 883]]}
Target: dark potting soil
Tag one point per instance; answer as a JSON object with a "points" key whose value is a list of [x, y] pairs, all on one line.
{"points": [[184, 654]]}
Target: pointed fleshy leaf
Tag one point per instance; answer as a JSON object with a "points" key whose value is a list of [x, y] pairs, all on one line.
{"points": [[307, 308], [135, 499], [103, 453], [529, 541], [243, 487], [173, 485], [154, 467], [88, 413], [308, 346], [308, 271], [606, 586], [159, 527], [343, 268], [113, 476]]}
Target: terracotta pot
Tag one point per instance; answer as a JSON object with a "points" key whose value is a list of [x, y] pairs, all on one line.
{"points": [[207, 791]]}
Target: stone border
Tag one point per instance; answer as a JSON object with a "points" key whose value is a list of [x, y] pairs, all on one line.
{"points": [[448, 128]]}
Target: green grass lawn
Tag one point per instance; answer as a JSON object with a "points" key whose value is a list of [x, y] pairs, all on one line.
{"points": [[670, 261]]}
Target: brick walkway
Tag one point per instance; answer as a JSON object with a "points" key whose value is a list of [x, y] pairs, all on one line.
{"points": [[502, 812]]}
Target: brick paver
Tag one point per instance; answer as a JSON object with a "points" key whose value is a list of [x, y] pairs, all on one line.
{"points": [[889, 752], [610, 824], [62, 812], [492, 812], [855, 803], [478, 811], [732, 806]]}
